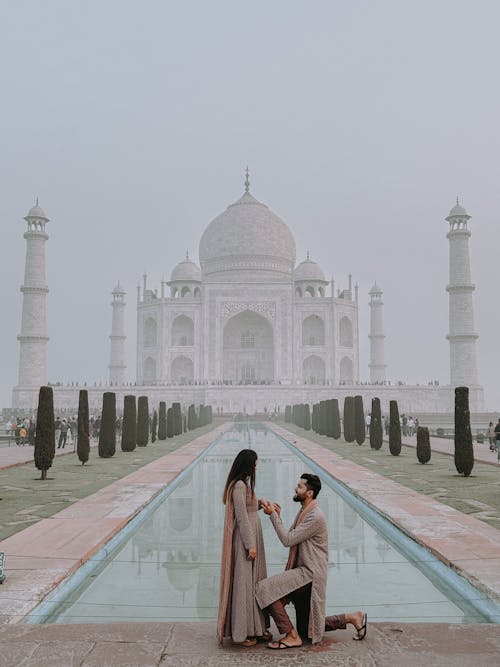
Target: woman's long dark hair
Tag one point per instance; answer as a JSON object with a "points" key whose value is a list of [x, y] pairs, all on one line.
{"points": [[243, 468]]}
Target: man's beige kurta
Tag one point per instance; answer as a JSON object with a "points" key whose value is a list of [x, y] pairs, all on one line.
{"points": [[311, 536]]}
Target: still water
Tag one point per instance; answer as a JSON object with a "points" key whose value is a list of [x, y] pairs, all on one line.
{"points": [[168, 570]]}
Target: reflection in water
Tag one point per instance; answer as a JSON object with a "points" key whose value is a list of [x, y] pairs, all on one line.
{"points": [[169, 569]]}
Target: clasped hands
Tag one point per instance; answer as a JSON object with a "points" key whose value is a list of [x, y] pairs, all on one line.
{"points": [[269, 506]]}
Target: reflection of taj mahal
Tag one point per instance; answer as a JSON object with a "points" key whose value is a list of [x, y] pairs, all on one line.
{"points": [[249, 315]]}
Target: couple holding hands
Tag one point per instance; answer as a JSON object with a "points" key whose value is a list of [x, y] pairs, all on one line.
{"points": [[248, 598]]}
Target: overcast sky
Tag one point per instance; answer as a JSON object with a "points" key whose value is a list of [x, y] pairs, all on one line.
{"points": [[361, 121]]}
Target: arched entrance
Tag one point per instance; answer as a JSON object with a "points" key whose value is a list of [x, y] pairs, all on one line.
{"points": [[248, 349]]}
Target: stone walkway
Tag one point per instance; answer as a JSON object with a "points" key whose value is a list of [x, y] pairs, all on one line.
{"points": [[16, 455], [194, 644], [482, 451]]}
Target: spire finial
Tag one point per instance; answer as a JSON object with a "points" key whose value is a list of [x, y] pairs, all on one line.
{"points": [[187, 254], [247, 180], [36, 202], [307, 255], [457, 200]]}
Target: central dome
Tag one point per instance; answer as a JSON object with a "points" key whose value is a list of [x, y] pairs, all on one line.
{"points": [[247, 237]]}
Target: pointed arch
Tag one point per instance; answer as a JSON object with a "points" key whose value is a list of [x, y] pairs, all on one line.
{"points": [[313, 331], [149, 332], [313, 370], [345, 332], [182, 331]]}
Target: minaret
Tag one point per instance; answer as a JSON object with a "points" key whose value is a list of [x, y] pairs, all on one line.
{"points": [[377, 354], [33, 337], [117, 364], [462, 337]]}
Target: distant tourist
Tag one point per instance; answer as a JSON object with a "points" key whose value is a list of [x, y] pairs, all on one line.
{"points": [[243, 561], [305, 577], [497, 441], [368, 420], [490, 434], [63, 435]]}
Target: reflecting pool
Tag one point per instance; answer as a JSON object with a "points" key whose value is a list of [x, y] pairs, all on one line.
{"points": [[168, 570]]}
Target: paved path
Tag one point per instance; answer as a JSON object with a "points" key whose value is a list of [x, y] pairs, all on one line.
{"points": [[17, 455], [482, 451], [194, 644]]}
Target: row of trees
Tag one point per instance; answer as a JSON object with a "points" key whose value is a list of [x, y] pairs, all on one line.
{"points": [[136, 427], [325, 420]]}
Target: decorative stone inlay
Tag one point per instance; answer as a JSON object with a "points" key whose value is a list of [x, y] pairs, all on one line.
{"points": [[268, 309]]}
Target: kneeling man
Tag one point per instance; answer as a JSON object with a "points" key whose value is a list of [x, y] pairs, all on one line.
{"points": [[305, 577]]}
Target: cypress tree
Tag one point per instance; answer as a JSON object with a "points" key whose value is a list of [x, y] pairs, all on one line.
{"points": [[191, 420], [210, 415], [394, 429], [376, 434], [314, 415], [464, 453], [184, 424], [154, 426], [107, 434], [142, 421], [45, 434], [170, 423], [423, 445], [83, 440], [176, 408], [335, 418], [288, 414], [307, 417], [324, 418], [359, 420], [129, 426], [162, 421], [349, 431]]}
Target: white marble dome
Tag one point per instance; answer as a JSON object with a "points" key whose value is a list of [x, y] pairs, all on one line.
{"points": [[309, 271], [247, 236], [186, 271]]}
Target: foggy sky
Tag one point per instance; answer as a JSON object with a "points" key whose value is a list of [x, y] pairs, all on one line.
{"points": [[361, 121]]}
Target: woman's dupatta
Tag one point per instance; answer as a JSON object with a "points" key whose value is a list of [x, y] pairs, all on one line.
{"points": [[226, 566]]}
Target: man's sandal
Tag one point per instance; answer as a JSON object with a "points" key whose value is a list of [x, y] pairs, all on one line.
{"points": [[362, 630], [281, 644]]}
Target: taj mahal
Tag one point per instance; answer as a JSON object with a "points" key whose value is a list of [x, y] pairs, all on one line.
{"points": [[249, 329]]}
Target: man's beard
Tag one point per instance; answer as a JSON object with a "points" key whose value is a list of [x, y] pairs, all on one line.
{"points": [[297, 499]]}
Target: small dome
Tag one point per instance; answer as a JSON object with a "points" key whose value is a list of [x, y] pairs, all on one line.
{"points": [[458, 211], [36, 211], [186, 271], [309, 270]]}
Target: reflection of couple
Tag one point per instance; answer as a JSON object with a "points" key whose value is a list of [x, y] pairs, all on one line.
{"points": [[247, 596]]}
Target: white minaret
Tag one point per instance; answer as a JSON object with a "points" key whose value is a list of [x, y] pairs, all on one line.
{"points": [[33, 337], [462, 337], [117, 364], [377, 353]]}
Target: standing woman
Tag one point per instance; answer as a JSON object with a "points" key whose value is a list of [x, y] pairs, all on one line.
{"points": [[243, 558]]}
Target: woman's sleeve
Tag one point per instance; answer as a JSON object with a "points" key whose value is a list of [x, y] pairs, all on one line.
{"points": [[241, 514]]}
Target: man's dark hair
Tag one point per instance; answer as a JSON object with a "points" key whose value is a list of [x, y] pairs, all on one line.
{"points": [[313, 483]]}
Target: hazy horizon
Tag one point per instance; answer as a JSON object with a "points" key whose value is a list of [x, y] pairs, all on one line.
{"points": [[360, 122]]}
